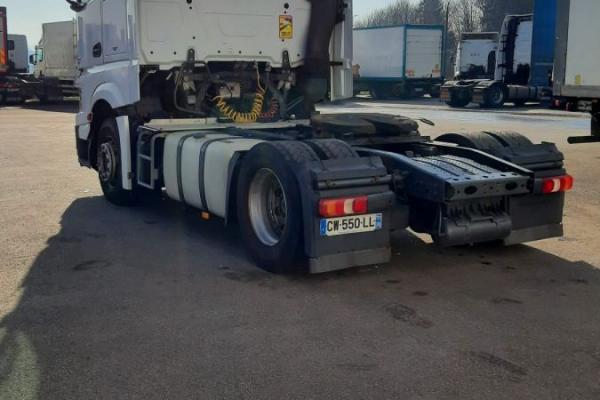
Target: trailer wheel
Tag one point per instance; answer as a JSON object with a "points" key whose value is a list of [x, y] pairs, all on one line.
{"points": [[332, 149], [474, 140], [109, 165], [269, 204]]}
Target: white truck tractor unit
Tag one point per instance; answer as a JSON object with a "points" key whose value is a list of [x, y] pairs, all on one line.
{"points": [[523, 67], [476, 55], [212, 103]]}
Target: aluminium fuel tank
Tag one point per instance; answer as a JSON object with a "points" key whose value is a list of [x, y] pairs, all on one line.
{"points": [[197, 167]]}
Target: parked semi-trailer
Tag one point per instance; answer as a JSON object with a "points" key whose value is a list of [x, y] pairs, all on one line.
{"points": [[476, 56], [216, 110], [524, 63], [577, 64], [399, 61]]}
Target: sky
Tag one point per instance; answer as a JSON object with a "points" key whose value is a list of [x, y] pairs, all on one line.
{"points": [[26, 16]]}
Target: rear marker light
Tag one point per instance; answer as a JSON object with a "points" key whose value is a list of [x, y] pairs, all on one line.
{"points": [[558, 184], [332, 208]]}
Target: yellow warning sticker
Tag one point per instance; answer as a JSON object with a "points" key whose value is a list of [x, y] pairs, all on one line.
{"points": [[286, 27]]}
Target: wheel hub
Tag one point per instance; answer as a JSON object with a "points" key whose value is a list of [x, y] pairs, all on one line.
{"points": [[106, 162], [268, 207]]}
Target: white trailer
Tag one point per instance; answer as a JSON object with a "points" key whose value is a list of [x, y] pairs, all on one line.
{"points": [[476, 55], [212, 104], [396, 61], [577, 63]]}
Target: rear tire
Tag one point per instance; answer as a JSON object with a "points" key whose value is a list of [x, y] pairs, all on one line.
{"points": [[494, 97], [109, 165], [459, 99], [474, 140], [510, 139], [332, 149], [269, 204]]}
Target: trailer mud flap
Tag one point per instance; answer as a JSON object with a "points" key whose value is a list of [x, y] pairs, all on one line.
{"points": [[346, 178]]}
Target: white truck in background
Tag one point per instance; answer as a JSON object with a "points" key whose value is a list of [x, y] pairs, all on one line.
{"points": [[18, 53], [577, 62], [55, 63], [476, 55], [398, 61]]}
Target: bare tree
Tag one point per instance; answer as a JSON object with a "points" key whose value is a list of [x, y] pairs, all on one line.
{"points": [[401, 12], [431, 12]]}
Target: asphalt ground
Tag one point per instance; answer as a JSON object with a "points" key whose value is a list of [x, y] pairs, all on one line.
{"points": [[101, 302]]}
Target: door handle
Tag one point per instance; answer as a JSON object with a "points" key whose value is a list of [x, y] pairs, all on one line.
{"points": [[97, 50]]}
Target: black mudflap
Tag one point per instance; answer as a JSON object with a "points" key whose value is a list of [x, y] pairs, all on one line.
{"points": [[534, 215], [342, 178], [458, 196]]}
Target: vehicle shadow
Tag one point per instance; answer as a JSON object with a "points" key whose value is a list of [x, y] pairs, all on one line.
{"points": [[68, 106], [153, 302]]}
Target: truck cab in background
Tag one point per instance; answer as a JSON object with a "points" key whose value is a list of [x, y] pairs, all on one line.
{"points": [[524, 63], [476, 56], [18, 53]]}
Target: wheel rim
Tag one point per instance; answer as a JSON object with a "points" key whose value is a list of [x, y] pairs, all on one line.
{"points": [[268, 207], [107, 162]]}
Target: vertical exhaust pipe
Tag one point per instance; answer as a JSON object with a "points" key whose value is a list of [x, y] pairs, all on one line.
{"points": [[316, 71]]}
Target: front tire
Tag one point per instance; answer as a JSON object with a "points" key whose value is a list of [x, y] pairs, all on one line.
{"points": [[108, 165], [270, 206]]}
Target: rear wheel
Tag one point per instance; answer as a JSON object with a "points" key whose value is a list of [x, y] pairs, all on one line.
{"points": [[270, 206], [459, 99], [108, 164], [494, 96], [332, 149]]}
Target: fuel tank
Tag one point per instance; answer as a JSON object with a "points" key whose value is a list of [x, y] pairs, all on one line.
{"points": [[198, 167]]}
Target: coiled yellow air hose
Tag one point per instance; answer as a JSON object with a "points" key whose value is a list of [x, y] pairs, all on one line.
{"points": [[244, 117]]}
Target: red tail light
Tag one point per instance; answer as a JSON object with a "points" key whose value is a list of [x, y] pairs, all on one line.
{"points": [[558, 184], [332, 208]]}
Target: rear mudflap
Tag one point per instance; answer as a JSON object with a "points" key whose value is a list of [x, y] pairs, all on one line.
{"points": [[344, 178], [464, 196]]}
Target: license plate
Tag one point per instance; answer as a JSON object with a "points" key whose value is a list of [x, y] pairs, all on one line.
{"points": [[353, 224]]}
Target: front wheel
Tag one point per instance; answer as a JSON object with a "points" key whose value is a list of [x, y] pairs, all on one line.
{"points": [[269, 204], [108, 164]]}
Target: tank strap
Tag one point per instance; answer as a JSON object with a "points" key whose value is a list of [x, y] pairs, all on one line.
{"points": [[202, 168]]}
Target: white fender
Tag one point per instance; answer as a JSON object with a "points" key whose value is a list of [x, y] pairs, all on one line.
{"points": [[125, 144]]}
